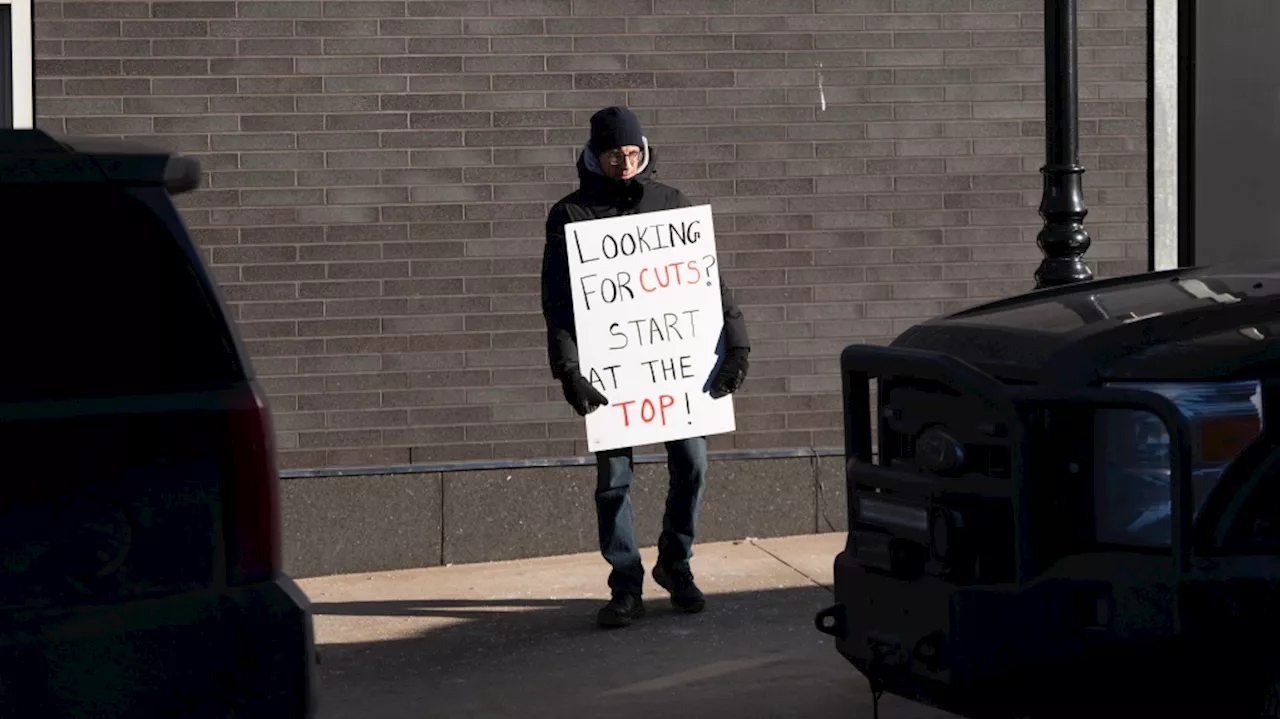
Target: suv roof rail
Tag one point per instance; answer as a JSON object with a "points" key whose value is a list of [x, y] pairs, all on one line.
{"points": [[60, 158]]}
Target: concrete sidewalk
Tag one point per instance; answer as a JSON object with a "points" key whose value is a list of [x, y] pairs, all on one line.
{"points": [[518, 639]]}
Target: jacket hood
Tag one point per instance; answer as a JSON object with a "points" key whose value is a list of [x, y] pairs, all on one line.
{"points": [[608, 191]]}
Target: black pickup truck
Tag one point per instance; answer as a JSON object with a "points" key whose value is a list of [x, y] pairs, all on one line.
{"points": [[1068, 502]]}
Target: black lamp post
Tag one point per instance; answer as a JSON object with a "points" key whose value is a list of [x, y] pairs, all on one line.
{"points": [[1063, 240]]}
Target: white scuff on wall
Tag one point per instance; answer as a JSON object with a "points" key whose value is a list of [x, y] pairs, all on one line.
{"points": [[822, 94]]}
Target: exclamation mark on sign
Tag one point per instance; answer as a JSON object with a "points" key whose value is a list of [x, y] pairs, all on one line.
{"points": [[688, 408]]}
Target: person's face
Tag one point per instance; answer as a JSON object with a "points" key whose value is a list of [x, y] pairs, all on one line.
{"points": [[621, 163]]}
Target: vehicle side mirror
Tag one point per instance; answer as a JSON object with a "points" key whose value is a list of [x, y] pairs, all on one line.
{"points": [[181, 174]]}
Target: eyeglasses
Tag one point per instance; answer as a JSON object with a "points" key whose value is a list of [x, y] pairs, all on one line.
{"points": [[615, 157]]}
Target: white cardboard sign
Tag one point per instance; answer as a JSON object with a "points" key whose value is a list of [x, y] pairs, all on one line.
{"points": [[648, 315]]}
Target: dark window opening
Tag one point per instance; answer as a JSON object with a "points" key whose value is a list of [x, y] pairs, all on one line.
{"points": [[6, 67]]}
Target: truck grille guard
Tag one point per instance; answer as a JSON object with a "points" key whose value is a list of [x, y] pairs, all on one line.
{"points": [[1013, 405]]}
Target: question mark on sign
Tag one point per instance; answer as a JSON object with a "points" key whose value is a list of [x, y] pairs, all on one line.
{"points": [[712, 263]]}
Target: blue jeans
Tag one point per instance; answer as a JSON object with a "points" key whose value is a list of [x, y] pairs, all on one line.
{"points": [[687, 468]]}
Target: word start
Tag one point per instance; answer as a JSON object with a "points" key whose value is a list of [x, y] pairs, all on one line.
{"points": [[649, 331]]}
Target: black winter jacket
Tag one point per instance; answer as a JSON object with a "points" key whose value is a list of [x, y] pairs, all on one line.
{"points": [[598, 197]]}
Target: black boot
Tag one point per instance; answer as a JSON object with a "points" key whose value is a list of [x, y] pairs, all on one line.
{"points": [[685, 595], [621, 611]]}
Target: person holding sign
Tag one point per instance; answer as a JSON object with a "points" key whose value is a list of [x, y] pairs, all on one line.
{"points": [[616, 306]]}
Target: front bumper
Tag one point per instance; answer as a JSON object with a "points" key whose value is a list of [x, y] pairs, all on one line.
{"points": [[993, 651], [923, 640]]}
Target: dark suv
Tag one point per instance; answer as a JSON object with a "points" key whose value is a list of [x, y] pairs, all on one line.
{"points": [[140, 567]]}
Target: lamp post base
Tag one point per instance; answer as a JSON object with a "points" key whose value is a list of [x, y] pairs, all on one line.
{"points": [[1063, 240]]}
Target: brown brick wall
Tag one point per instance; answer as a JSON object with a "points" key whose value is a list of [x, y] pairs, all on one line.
{"points": [[378, 173]]}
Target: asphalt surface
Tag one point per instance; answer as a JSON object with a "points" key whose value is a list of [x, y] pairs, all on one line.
{"points": [[518, 639]]}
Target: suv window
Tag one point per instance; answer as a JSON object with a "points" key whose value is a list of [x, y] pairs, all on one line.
{"points": [[99, 298]]}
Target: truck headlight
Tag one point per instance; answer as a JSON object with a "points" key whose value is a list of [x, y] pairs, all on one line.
{"points": [[1132, 498]]}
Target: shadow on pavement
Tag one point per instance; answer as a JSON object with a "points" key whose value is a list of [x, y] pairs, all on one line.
{"points": [[470, 608], [750, 654]]}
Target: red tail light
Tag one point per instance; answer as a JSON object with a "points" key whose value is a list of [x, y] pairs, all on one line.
{"points": [[251, 505]]}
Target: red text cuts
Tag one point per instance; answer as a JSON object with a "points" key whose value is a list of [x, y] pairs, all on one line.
{"points": [[674, 275], [646, 299]]}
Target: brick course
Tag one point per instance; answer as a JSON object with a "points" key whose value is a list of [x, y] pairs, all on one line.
{"points": [[377, 174]]}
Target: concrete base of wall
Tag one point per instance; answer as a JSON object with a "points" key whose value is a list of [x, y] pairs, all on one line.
{"points": [[378, 522]]}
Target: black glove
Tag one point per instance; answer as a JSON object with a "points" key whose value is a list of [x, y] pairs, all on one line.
{"points": [[733, 371], [581, 395]]}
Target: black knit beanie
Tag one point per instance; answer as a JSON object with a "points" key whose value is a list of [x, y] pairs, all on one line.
{"points": [[614, 127]]}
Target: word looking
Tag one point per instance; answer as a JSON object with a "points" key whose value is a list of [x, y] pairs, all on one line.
{"points": [[663, 237]]}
